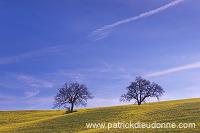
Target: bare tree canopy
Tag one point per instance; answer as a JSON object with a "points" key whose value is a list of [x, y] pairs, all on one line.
{"points": [[72, 94], [142, 89]]}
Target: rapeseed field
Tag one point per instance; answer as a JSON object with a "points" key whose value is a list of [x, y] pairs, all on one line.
{"points": [[183, 115]]}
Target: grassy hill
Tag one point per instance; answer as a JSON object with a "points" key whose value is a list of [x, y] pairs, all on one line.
{"points": [[49, 121]]}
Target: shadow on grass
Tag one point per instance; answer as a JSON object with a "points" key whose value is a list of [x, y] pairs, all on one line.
{"points": [[68, 112]]}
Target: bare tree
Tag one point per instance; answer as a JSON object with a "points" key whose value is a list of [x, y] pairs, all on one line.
{"points": [[72, 94], [142, 89]]}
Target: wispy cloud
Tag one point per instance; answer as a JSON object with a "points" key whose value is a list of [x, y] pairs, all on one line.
{"points": [[105, 30], [34, 53], [29, 94], [40, 101], [34, 82], [77, 75], [119, 71], [36, 106], [175, 69]]}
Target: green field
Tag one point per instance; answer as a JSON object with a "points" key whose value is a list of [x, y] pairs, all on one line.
{"points": [[50, 121]]}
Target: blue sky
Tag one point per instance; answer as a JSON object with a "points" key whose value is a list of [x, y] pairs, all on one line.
{"points": [[103, 44]]}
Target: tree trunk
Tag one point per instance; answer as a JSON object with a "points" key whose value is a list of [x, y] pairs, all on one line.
{"points": [[139, 103], [72, 107]]}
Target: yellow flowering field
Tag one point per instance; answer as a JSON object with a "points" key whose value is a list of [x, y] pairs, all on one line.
{"points": [[167, 116]]}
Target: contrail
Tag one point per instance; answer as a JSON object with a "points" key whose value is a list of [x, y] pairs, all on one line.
{"points": [[175, 69], [105, 30]]}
